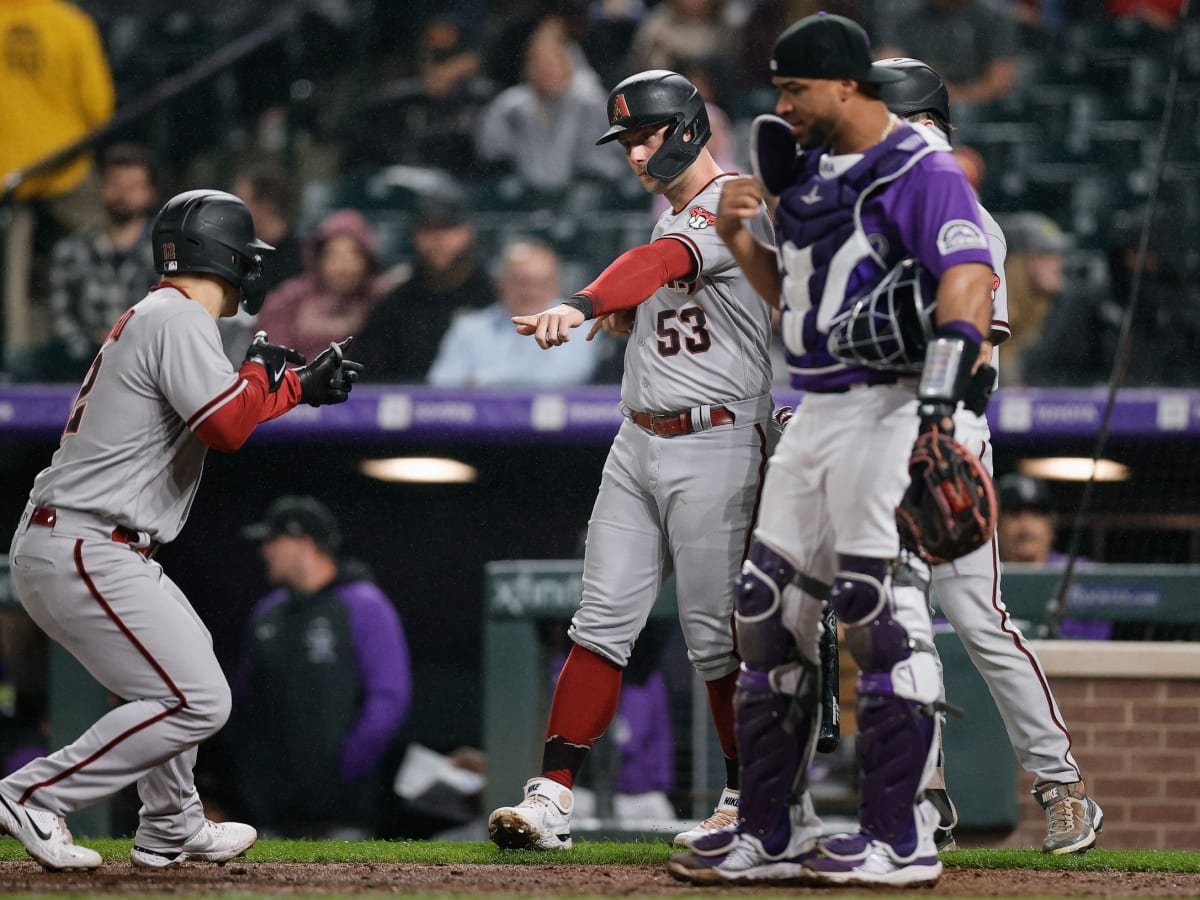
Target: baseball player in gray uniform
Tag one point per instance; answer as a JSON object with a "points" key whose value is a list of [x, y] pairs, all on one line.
{"points": [[681, 484], [158, 395], [968, 589]]}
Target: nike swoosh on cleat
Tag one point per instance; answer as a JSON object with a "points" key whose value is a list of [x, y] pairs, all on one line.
{"points": [[44, 835], [282, 371]]}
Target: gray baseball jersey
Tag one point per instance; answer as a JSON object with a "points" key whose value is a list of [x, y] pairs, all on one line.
{"points": [[706, 341], [684, 503], [128, 452]]}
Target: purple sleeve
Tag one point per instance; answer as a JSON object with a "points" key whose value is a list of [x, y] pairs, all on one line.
{"points": [[385, 672], [937, 213]]}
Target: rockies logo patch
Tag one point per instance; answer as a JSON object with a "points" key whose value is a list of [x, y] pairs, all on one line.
{"points": [[960, 234], [700, 218]]}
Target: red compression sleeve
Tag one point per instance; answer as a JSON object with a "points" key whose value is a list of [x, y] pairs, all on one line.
{"points": [[636, 274], [227, 420]]}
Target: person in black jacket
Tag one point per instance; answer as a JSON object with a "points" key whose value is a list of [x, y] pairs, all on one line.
{"points": [[401, 337]]}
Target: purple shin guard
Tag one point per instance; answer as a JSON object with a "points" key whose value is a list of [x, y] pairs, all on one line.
{"points": [[894, 740], [776, 738]]}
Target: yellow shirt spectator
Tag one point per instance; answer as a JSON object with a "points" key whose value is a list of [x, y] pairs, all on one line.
{"points": [[55, 86]]}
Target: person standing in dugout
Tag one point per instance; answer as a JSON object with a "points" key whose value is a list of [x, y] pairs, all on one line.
{"points": [[868, 195], [158, 395], [683, 477]]}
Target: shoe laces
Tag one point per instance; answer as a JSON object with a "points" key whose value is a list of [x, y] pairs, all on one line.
{"points": [[1062, 815], [722, 817]]}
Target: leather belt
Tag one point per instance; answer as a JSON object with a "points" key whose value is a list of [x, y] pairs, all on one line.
{"points": [[47, 517], [677, 423]]}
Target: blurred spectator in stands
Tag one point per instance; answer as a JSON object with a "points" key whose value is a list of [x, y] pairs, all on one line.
{"points": [[971, 162], [268, 191], [610, 26], [543, 130], [401, 336], [324, 686], [430, 119], [1034, 268], [336, 292], [55, 87], [1161, 14], [676, 33], [765, 21], [1025, 533], [970, 43], [95, 271], [483, 349], [1079, 342]]}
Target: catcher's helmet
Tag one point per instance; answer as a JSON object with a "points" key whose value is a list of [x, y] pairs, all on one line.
{"points": [[211, 232], [660, 97], [922, 89]]}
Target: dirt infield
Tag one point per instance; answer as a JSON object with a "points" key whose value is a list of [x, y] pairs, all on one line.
{"points": [[541, 881]]}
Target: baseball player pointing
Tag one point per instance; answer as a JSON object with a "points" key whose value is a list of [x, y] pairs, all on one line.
{"points": [[681, 483], [158, 395]]}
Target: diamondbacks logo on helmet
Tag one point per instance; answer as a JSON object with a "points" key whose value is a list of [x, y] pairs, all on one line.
{"points": [[700, 218], [620, 109]]}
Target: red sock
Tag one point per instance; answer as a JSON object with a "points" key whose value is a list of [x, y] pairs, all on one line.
{"points": [[720, 703], [585, 702]]}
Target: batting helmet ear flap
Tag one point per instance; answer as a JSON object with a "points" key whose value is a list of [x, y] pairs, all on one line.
{"points": [[682, 145]]}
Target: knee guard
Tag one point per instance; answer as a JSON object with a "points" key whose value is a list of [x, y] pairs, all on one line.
{"points": [[898, 692]]}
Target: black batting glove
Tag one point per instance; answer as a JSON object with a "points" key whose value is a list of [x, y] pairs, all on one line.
{"points": [[273, 358], [330, 377], [979, 389]]}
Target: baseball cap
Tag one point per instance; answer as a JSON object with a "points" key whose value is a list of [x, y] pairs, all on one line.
{"points": [[829, 47], [1016, 493], [441, 212], [295, 516], [1034, 232]]}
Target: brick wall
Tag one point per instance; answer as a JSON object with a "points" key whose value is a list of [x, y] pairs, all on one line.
{"points": [[1133, 710]]}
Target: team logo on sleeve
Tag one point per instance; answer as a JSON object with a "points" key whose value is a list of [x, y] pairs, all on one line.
{"points": [[700, 218], [995, 284], [960, 234]]}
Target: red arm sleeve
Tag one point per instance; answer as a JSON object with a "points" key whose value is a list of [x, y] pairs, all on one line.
{"points": [[228, 420], [636, 274]]}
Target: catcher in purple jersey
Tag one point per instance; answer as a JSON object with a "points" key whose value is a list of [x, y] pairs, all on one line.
{"points": [[867, 193]]}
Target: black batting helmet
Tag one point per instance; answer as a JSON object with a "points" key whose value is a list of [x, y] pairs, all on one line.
{"points": [[211, 232], [922, 89], [660, 97]]}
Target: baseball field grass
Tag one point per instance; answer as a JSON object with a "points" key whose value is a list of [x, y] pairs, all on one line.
{"points": [[639, 853]]}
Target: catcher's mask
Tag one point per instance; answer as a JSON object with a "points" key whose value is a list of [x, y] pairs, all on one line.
{"points": [[890, 326], [212, 233], [660, 97]]}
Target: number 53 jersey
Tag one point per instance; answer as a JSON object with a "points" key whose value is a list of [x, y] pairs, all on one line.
{"points": [[705, 341]]}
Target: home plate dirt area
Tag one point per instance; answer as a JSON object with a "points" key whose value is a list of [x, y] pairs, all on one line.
{"points": [[545, 881]]}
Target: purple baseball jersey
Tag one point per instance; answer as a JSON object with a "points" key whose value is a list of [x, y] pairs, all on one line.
{"points": [[847, 221]]}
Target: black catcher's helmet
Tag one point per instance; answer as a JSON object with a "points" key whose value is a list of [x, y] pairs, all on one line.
{"points": [[211, 232], [660, 97], [922, 89]]}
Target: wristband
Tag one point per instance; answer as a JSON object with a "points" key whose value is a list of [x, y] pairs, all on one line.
{"points": [[581, 303]]}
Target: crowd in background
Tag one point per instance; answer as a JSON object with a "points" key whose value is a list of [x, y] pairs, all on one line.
{"points": [[400, 156]]}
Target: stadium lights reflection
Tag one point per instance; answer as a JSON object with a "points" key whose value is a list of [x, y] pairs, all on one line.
{"points": [[419, 469], [1074, 468]]}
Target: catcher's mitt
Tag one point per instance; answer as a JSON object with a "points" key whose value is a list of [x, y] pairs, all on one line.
{"points": [[950, 506]]}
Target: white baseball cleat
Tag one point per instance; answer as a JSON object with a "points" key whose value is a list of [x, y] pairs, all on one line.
{"points": [[725, 814], [45, 836], [215, 842], [542, 821]]}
